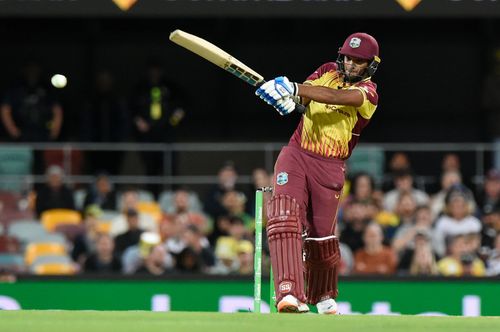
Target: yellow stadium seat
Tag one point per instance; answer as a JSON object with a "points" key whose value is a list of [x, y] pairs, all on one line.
{"points": [[104, 227], [52, 218], [151, 208], [34, 250], [54, 269]]}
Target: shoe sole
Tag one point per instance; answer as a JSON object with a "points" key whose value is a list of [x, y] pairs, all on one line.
{"points": [[286, 307]]}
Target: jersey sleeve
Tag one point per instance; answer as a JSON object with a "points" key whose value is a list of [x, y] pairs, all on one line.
{"points": [[323, 69], [370, 98]]}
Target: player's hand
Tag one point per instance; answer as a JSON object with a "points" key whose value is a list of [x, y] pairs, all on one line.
{"points": [[276, 89], [285, 105]]}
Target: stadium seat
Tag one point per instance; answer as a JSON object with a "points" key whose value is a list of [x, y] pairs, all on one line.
{"points": [[367, 159], [51, 259], [34, 250], [150, 208], [52, 218], [50, 238], [15, 161], [70, 231], [57, 157], [12, 262], [54, 269], [26, 230], [166, 201]]}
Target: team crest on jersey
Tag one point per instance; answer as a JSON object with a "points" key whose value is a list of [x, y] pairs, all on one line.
{"points": [[355, 42], [282, 178]]}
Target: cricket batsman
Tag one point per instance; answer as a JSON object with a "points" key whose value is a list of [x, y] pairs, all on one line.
{"points": [[309, 172]]}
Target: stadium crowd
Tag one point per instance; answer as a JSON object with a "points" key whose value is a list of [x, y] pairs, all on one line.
{"points": [[386, 227]]}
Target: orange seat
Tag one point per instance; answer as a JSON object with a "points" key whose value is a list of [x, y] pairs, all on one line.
{"points": [[34, 250], [54, 269], [54, 217], [104, 227], [151, 208]]}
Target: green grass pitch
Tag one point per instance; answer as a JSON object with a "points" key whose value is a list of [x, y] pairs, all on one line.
{"points": [[142, 321]]}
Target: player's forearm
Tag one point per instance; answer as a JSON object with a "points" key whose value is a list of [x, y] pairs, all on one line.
{"points": [[8, 121], [331, 96]]}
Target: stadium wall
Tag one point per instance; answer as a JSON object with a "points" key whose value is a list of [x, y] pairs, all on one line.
{"points": [[436, 296]]}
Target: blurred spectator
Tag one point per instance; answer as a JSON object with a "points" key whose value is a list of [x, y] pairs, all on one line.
{"points": [[355, 217], [221, 228], [448, 179], [491, 227], [30, 113], [346, 263], [493, 261], [418, 258], [227, 177], [132, 235], [490, 195], [399, 162], [156, 262], [198, 244], [423, 261], [245, 251], [188, 261], [130, 201], [374, 257], [103, 260], [260, 179], [227, 246], [403, 182], [145, 257], [85, 243], [404, 238], [234, 203], [183, 215], [105, 119], [101, 193], [450, 163], [54, 194], [405, 212], [28, 107], [157, 110], [458, 218], [459, 261], [364, 191]]}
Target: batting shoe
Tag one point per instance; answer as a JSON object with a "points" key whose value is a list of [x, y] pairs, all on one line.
{"points": [[291, 304], [327, 307]]}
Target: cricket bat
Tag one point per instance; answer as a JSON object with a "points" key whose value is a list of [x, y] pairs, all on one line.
{"points": [[221, 59]]}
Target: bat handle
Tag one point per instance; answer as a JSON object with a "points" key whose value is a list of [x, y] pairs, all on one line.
{"points": [[300, 108]]}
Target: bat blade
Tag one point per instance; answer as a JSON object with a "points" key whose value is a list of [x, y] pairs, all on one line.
{"points": [[216, 56]]}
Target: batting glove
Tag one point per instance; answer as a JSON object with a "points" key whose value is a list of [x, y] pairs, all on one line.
{"points": [[277, 89], [285, 105]]}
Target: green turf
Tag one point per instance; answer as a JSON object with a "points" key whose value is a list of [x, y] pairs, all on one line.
{"points": [[142, 321]]}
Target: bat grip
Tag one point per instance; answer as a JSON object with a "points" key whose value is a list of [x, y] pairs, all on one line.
{"points": [[300, 108]]}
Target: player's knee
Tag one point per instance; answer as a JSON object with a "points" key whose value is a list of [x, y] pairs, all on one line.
{"points": [[283, 215]]}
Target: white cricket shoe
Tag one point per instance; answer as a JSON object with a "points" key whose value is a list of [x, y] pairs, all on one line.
{"points": [[327, 307], [292, 305]]}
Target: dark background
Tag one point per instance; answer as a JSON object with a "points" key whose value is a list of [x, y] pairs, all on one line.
{"points": [[430, 78]]}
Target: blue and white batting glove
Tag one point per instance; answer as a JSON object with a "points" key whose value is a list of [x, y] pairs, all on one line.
{"points": [[277, 89], [285, 105]]}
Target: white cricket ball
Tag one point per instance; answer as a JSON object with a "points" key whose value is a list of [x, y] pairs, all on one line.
{"points": [[59, 81]]}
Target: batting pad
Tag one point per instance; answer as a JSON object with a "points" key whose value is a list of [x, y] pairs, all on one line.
{"points": [[322, 256], [284, 231]]}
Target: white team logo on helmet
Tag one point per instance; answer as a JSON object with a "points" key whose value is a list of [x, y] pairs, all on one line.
{"points": [[355, 42], [282, 178]]}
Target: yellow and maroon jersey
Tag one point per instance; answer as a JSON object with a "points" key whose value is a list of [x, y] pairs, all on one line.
{"points": [[332, 131]]}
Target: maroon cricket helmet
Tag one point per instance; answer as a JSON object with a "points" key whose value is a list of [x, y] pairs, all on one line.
{"points": [[360, 45]]}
